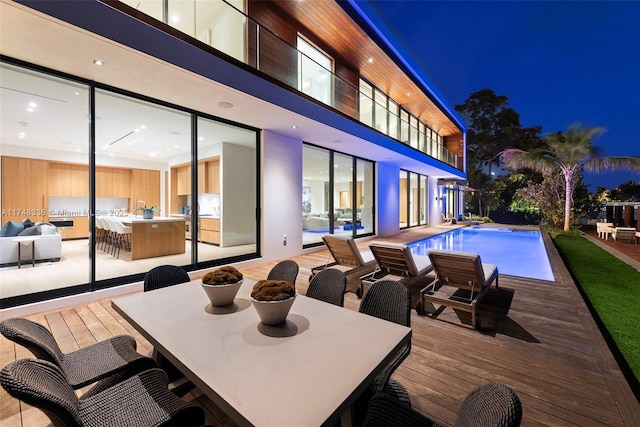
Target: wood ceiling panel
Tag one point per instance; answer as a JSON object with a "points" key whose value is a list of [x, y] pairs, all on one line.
{"points": [[331, 24]]}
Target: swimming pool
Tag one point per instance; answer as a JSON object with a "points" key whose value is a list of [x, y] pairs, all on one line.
{"points": [[515, 252]]}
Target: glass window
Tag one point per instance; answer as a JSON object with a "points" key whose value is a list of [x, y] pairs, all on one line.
{"points": [[135, 140], [314, 72], [315, 194], [143, 163], [394, 118], [366, 103], [414, 199], [44, 141], [226, 216], [413, 131], [221, 26], [343, 194], [332, 202], [424, 201], [404, 199], [152, 8], [381, 111], [404, 126], [182, 16], [364, 197]]}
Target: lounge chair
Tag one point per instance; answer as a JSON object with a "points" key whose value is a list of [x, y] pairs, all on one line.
{"points": [[624, 233], [396, 262], [604, 229], [462, 271], [348, 259]]}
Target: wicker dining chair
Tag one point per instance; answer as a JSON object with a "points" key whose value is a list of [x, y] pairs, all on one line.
{"points": [[163, 276], [389, 300], [106, 362], [139, 401], [329, 286], [489, 405], [286, 270]]}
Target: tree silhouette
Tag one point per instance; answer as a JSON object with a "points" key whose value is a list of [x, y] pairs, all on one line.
{"points": [[570, 153]]}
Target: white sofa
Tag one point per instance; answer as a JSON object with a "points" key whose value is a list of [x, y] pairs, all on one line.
{"points": [[47, 247]]}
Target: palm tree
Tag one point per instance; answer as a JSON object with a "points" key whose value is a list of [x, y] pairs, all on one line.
{"points": [[569, 153]]}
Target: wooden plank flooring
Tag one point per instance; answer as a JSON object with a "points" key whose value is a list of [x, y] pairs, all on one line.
{"points": [[537, 337]]}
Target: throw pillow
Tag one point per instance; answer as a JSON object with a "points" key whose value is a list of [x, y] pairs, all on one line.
{"points": [[30, 231], [3, 231], [47, 230], [14, 229], [27, 223]]}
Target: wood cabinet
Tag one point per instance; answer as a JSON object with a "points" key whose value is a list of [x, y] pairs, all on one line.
{"points": [[213, 175], [79, 180], [208, 177], [210, 230], [67, 180], [80, 229], [24, 189], [183, 177], [113, 182], [59, 180], [145, 185]]}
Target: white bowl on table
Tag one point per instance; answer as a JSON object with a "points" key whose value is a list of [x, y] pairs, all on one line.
{"points": [[222, 295], [273, 312]]}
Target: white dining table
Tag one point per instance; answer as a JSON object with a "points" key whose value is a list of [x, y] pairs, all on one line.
{"points": [[307, 371]]}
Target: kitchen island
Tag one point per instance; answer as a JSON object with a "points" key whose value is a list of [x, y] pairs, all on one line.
{"points": [[156, 237]]}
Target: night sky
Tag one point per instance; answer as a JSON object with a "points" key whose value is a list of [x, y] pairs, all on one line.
{"points": [[558, 62]]}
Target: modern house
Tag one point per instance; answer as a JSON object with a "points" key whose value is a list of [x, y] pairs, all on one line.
{"points": [[252, 127]]}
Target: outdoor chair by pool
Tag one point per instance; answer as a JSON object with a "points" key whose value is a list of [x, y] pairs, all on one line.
{"points": [[490, 405], [462, 272], [107, 361], [286, 270], [328, 286], [346, 257], [396, 262], [139, 401]]}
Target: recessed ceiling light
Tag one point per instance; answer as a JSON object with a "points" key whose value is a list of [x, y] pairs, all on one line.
{"points": [[98, 62], [21, 135], [294, 127], [224, 104], [370, 60]]}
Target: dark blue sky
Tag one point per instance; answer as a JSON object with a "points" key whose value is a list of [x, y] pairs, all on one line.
{"points": [[558, 62]]}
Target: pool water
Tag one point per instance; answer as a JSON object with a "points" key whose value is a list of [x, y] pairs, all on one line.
{"points": [[515, 252]]}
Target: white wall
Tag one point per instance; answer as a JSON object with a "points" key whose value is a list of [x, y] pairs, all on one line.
{"points": [[388, 190], [238, 195], [435, 206], [281, 195]]}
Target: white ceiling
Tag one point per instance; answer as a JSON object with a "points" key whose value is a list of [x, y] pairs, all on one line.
{"points": [[33, 37]]}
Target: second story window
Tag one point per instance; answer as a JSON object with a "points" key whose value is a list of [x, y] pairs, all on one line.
{"points": [[314, 72]]}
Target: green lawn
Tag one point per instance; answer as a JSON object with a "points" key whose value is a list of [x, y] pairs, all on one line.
{"points": [[613, 288]]}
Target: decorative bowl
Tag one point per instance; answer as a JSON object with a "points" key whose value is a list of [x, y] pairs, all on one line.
{"points": [[273, 312], [221, 295]]}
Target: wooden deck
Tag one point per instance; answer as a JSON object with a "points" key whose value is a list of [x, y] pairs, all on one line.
{"points": [[536, 337]]}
